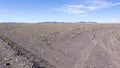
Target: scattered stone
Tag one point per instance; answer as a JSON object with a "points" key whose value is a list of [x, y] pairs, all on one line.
{"points": [[49, 42], [16, 60], [17, 57], [7, 63], [36, 65], [5, 58]]}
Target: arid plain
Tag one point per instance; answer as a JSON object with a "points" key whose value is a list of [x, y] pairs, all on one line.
{"points": [[59, 46]]}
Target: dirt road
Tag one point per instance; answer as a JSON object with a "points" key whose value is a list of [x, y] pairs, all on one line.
{"points": [[96, 46]]}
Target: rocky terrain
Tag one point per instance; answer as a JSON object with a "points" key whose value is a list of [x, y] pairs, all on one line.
{"points": [[59, 46]]}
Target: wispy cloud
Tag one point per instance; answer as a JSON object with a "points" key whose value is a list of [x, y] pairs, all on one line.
{"points": [[76, 9], [90, 5], [100, 4]]}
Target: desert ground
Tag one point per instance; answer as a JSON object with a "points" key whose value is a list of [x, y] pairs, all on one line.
{"points": [[59, 45]]}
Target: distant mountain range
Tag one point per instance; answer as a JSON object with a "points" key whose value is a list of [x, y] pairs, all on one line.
{"points": [[85, 22], [81, 22]]}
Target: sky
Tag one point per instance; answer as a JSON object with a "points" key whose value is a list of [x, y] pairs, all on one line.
{"points": [[102, 11]]}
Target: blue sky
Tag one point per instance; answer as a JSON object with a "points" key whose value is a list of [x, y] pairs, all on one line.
{"points": [[105, 11]]}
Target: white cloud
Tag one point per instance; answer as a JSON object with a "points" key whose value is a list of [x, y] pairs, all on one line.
{"points": [[76, 9], [90, 5], [116, 4], [100, 4]]}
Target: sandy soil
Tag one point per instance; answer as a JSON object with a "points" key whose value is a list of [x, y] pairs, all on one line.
{"points": [[61, 45]]}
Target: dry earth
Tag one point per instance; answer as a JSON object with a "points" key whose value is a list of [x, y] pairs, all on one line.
{"points": [[59, 46]]}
